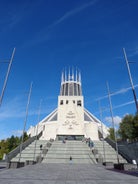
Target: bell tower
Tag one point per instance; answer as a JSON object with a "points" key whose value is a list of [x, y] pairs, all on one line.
{"points": [[70, 105]]}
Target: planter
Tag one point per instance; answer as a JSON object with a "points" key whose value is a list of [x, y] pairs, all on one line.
{"points": [[30, 162], [119, 166], [108, 163]]}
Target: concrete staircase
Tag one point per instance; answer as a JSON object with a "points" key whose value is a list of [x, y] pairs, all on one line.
{"points": [[28, 152], [60, 152], [110, 153]]}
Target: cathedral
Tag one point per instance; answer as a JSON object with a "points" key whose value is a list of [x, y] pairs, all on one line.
{"points": [[70, 120]]}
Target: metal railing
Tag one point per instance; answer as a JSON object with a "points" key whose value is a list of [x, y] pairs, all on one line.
{"points": [[122, 149], [14, 152]]}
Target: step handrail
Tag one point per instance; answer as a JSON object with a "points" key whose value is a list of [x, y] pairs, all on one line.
{"points": [[121, 152], [14, 152]]}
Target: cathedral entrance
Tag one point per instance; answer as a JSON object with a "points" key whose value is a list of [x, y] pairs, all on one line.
{"points": [[70, 137]]}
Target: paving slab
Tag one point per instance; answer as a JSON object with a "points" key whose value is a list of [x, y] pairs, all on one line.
{"points": [[65, 174]]}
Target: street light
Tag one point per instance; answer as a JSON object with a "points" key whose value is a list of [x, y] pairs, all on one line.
{"points": [[101, 118], [7, 76], [26, 116], [113, 123], [37, 126], [131, 81]]}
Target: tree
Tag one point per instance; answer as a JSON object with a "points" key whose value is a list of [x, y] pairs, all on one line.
{"points": [[10, 143], [25, 137], [127, 128], [3, 148], [136, 126], [111, 134]]}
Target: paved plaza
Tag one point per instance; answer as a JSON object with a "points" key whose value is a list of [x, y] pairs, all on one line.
{"points": [[64, 174]]}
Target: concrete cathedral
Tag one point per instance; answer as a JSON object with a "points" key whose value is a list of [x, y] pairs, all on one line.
{"points": [[70, 119]]}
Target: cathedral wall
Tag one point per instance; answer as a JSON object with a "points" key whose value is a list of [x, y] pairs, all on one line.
{"points": [[70, 115], [31, 131], [91, 130], [49, 131], [105, 130]]}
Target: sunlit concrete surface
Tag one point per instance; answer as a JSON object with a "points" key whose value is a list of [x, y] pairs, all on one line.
{"points": [[65, 173]]}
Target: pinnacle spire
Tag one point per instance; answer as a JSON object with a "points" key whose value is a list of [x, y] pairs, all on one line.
{"points": [[71, 82]]}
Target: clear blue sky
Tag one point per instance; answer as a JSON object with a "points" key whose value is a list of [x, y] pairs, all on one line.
{"points": [[50, 35]]}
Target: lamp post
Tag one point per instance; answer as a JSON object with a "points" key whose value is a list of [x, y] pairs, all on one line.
{"points": [[37, 127], [26, 116], [101, 118], [111, 111], [131, 81], [7, 76]]}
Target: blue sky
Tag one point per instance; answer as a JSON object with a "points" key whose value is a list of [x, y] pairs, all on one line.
{"points": [[50, 35]]}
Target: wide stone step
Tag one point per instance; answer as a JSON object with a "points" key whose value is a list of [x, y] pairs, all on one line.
{"points": [[62, 161], [68, 152], [69, 148], [27, 154], [60, 152], [66, 156], [107, 150], [32, 150]]}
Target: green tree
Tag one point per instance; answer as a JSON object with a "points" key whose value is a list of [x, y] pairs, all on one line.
{"points": [[10, 143], [126, 128], [111, 134], [25, 137], [136, 126], [3, 148]]}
